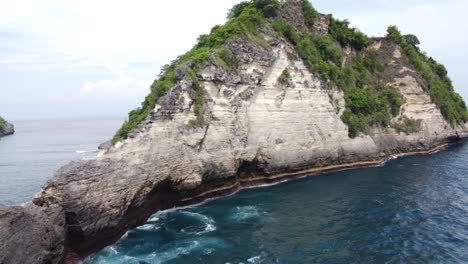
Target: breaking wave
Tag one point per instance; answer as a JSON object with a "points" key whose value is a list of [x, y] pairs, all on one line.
{"points": [[208, 222], [85, 151], [243, 213]]}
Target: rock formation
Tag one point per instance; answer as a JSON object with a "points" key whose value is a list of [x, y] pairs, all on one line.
{"points": [[253, 129], [6, 128], [32, 234]]}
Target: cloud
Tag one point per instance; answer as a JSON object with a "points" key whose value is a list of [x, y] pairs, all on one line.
{"points": [[109, 51], [28, 61], [122, 86], [108, 31], [434, 22]]}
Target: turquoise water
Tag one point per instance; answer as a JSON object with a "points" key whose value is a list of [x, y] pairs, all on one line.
{"points": [[39, 147], [412, 210]]}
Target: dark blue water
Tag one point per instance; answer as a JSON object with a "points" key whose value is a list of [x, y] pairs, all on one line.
{"points": [[412, 210], [39, 147]]}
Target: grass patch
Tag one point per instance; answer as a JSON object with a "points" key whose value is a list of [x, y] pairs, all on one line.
{"points": [[226, 59], [310, 13], [283, 79], [407, 125], [198, 101]]}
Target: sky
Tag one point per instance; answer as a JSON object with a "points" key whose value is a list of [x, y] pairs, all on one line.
{"points": [[80, 58]]}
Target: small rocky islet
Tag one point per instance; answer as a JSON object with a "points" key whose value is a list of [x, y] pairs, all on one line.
{"points": [[6, 128], [279, 91]]}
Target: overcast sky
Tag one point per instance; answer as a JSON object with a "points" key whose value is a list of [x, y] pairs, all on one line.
{"points": [[98, 58]]}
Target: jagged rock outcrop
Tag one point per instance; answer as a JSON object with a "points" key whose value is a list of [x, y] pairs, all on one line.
{"points": [[256, 130], [6, 128], [32, 234]]}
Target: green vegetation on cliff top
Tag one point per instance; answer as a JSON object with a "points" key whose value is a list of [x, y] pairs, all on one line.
{"points": [[435, 76], [369, 102], [243, 23]]}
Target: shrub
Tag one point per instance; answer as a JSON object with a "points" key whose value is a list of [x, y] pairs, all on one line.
{"points": [[371, 63], [246, 22], [407, 125], [229, 60], [288, 31], [310, 13], [357, 100], [269, 8], [198, 100], [394, 99], [394, 33], [355, 122], [283, 79], [347, 36], [318, 52], [236, 10], [412, 40]]}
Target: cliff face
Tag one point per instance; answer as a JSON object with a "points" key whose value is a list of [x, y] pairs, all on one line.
{"points": [[6, 128], [259, 126]]}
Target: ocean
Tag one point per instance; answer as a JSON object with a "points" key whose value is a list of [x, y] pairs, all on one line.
{"points": [[39, 147], [410, 210]]}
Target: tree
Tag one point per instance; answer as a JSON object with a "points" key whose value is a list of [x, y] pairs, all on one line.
{"points": [[412, 40], [269, 8], [394, 33], [236, 10]]}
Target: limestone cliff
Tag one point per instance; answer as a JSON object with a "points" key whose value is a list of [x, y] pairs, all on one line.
{"points": [[6, 128], [269, 118]]}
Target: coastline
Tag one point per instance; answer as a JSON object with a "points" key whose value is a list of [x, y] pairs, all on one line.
{"points": [[264, 181]]}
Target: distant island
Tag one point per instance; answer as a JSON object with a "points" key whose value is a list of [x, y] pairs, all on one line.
{"points": [[6, 128]]}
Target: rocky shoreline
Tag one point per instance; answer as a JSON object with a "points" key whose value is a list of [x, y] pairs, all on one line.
{"points": [[285, 177], [16, 215], [258, 182]]}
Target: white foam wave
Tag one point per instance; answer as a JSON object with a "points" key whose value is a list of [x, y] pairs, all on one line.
{"points": [[242, 213], [210, 224], [113, 250], [257, 259], [186, 247], [148, 227], [125, 235], [85, 151], [154, 218]]}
